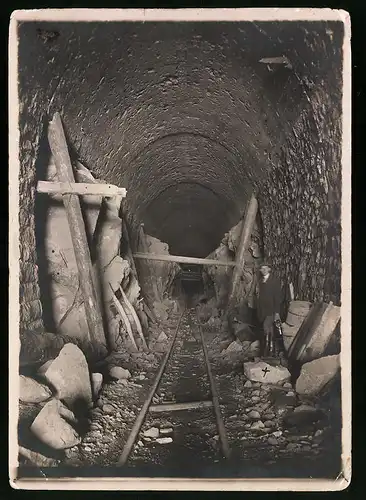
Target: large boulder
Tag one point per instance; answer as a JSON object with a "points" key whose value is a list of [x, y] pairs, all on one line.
{"points": [[260, 371], [315, 375], [32, 391], [69, 375], [51, 427]]}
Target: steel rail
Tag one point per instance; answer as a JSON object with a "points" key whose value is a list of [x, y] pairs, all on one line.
{"points": [[215, 399], [141, 416]]}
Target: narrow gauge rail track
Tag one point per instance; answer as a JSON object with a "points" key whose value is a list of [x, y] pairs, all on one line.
{"points": [[195, 330]]}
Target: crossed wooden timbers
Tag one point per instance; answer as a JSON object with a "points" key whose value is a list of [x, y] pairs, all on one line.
{"points": [[70, 191]]}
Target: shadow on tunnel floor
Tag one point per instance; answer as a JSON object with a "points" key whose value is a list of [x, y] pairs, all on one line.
{"points": [[291, 468]]}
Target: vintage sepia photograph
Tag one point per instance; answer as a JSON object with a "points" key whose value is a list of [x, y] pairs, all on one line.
{"points": [[180, 248]]}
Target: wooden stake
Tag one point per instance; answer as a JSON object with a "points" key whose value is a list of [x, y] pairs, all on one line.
{"points": [[246, 232], [134, 315], [124, 318], [58, 145]]}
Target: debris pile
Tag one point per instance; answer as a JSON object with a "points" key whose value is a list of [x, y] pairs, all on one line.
{"points": [[220, 276], [54, 406]]}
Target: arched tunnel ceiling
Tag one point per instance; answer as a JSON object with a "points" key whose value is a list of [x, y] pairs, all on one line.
{"points": [[184, 114]]}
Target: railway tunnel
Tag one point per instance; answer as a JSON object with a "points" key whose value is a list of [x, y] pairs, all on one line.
{"points": [[192, 118]]}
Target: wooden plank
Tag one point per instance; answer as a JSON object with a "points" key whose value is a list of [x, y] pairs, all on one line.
{"points": [[302, 337], [59, 149], [134, 315], [80, 188], [191, 405], [124, 317], [247, 228], [183, 260]]}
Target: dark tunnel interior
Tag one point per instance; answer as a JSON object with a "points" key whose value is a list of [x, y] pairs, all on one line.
{"points": [[192, 117], [199, 121]]}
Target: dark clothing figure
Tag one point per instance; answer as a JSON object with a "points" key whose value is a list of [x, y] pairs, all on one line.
{"points": [[269, 298]]}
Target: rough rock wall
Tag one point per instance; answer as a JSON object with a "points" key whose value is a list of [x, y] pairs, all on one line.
{"points": [[221, 277], [300, 204]]}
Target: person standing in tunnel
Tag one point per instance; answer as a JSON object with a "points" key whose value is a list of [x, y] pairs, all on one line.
{"points": [[269, 299]]}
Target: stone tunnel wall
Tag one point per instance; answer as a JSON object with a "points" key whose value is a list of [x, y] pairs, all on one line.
{"points": [[245, 126], [303, 237], [33, 106]]}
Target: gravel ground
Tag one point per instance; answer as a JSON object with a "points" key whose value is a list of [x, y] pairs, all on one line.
{"points": [[254, 414]]}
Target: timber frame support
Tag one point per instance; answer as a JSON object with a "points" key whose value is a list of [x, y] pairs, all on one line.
{"points": [[246, 232]]}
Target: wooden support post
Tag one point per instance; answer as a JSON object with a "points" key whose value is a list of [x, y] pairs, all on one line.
{"points": [[59, 149], [246, 232], [183, 260]]}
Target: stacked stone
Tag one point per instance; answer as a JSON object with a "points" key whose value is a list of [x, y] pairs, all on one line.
{"points": [[300, 206]]}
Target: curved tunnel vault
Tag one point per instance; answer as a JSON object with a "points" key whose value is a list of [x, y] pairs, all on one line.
{"points": [[190, 120]]}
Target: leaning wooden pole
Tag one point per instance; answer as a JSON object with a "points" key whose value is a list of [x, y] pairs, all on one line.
{"points": [[59, 149], [246, 232]]}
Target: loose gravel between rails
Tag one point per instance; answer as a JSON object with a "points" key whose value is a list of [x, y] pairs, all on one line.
{"points": [[184, 376]]}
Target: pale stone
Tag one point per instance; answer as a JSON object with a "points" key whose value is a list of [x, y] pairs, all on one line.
{"points": [[257, 425], [69, 375], [164, 440], [166, 430], [316, 374], [52, 429], [234, 347], [117, 372], [254, 414], [42, 369], [263, 372], [97, 381], [153, 432], [162, 337], [108, 409], [31, 391]]}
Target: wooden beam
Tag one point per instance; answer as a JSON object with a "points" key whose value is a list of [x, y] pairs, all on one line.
{"points": [[246, 232], [190, 405], [80, 188], [59, 149], [183, 260]]}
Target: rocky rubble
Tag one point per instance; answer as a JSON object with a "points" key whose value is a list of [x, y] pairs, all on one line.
{"points": [[54, 405], [221, 276]]}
